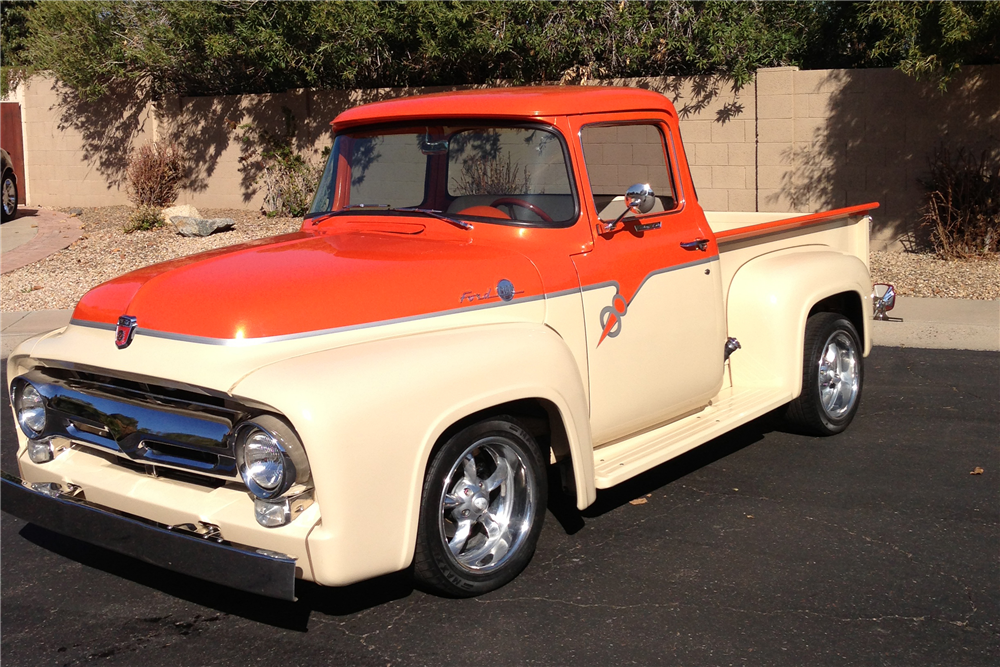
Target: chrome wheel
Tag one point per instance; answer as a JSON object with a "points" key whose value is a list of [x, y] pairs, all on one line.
{"points": [[838, 375], [833, 376], [9, 197], [482, 508], [487, 505]]}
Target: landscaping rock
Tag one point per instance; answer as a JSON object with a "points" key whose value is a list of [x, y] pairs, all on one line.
{"points": [[74, 211], [188, 226], [185, 210]]}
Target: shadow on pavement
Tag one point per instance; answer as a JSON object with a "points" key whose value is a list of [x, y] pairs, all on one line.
{"points": [[278, 613], [572, 520]]}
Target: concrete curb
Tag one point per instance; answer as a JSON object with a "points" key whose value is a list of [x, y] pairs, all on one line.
{"points": [[55, 231], [955, 324]]}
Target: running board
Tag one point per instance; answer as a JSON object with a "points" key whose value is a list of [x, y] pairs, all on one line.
{"points": [[731, 407]]}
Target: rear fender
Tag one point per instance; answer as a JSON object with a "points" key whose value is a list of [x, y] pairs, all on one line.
{"points": [[370, 416], [770, 299]]}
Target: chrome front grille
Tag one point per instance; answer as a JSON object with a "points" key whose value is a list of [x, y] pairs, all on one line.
{"points": [[146, 424]]}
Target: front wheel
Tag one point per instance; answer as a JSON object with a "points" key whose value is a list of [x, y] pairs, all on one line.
{"points": [[9, 192], [832, 376], [482, 509]]}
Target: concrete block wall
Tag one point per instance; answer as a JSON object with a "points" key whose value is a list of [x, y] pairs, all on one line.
{"points": [[789, 141], [830, 138], [71, 160]]}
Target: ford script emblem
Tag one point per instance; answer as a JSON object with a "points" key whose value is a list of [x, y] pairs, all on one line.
{"points": [[125, 331], [505, 289]]}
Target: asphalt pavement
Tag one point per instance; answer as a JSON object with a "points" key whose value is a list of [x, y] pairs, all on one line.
{"points": [[875, 547]]}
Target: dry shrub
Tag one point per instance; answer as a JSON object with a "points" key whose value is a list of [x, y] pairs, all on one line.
{"points": [[154, 172], [492, 176], [289, 183], [962, 206], [143, 218], [288, 177]]}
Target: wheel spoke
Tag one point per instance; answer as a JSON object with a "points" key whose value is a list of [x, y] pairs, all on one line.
{"points": [[450, 502], [830, 354], [469, 468], [461, 536], [499, 476], [497, 543]]}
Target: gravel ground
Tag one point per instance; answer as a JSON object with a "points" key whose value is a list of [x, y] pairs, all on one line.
{"points": [[105, 252], [928, 276]]}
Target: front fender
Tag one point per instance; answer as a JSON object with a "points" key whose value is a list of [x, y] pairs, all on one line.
{"points": [[370, 415], [769, 301]]}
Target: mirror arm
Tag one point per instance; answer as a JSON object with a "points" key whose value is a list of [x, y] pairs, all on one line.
{"points": [[608, 227]]}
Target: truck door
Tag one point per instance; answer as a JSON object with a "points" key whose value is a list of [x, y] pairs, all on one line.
{"points": [[652, 293]]}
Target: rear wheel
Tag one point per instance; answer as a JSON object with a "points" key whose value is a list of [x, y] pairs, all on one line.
{"points": [[832, 376], [482, 509], [8, 190]]}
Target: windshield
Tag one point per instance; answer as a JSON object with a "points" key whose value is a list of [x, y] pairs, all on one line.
{"points": [[508, 175]]}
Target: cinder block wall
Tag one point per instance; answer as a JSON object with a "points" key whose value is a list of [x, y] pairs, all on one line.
{"points": [[829, 138], [789, 141]]}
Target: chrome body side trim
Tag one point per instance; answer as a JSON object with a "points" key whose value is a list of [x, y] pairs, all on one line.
{"points": [[246, 342], [203, 554]]}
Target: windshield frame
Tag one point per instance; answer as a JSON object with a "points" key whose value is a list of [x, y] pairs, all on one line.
{"points": [[459, 125]]}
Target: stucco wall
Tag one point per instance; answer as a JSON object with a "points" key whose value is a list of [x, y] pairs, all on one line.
{"points": [[789, 141]]}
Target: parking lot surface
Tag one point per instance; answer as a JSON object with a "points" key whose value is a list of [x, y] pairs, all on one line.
{"points": [[875, 547]]}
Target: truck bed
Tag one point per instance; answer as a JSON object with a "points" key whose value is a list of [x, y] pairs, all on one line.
{"points": [[743, 236]]}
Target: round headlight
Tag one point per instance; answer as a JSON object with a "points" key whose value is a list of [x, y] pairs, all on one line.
{"points": [[30, 410], [264, 460], [270, 457]]}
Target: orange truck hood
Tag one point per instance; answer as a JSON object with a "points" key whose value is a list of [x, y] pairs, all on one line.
{"points": [[314, 281]]}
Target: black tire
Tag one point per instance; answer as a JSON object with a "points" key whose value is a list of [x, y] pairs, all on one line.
{"points": [[8, 190], [832, 376], [471, 538]]}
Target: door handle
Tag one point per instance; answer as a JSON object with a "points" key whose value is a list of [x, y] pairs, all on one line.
{"points": [[698, 244]]}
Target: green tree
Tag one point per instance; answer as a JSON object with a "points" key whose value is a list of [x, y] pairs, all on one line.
{"points": [[13, 32], [230, 47], [933, 38]]}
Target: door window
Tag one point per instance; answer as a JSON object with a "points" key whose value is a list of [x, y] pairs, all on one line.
{"points": [[619, 156]]}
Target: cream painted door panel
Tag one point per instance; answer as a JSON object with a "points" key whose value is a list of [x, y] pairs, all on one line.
{"points": [[655, 347]]}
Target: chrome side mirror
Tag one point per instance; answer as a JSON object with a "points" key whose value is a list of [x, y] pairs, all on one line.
{"points": [[883, 300], [639, 198]]}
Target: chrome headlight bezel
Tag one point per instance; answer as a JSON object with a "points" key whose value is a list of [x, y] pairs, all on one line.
{"points": [[290, 454], [19, 387]]}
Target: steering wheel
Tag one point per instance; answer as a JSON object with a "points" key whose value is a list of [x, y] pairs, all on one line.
{"points": [[514, 201]]}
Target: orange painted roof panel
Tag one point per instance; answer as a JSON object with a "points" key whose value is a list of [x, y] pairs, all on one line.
{"points": [[526, 102]]}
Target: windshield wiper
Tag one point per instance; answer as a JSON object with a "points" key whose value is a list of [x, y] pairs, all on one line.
{"points": [[352, 206], [434, 214], [409, 209]]}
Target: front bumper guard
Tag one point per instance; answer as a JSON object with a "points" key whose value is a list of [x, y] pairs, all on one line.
{"points": [[203, 556]]}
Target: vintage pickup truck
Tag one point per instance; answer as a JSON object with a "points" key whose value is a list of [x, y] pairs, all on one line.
{"points": [[490, 285]]}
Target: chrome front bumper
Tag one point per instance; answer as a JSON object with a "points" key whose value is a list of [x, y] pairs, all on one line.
{"points": [[179, 549]]}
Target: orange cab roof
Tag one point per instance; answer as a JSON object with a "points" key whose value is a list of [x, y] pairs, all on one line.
{"points": [[528, 102]]}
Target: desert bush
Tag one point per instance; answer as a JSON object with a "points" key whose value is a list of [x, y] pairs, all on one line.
{"points": [[270, 160], [143, 218], [962, 203], [154, 173], [492, 176]]}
